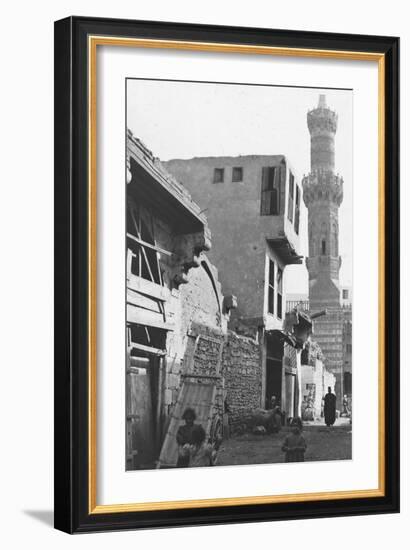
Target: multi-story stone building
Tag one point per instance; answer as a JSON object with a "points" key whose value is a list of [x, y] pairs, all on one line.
{"points": [[323, 194], [253, 207]]}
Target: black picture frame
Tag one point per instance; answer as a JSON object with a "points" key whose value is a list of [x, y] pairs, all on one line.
{"points": [[71, 492]]}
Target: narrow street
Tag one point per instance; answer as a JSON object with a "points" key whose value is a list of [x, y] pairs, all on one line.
{"points": [[323, 443]]}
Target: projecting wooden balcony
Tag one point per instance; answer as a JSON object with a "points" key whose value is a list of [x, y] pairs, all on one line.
{"points": [[285, 250]]}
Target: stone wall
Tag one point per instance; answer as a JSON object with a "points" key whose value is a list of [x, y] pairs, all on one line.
{"points": [[201, 298], [242, 371]]}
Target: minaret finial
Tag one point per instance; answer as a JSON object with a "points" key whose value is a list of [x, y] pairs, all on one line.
{"points": [[322, 101]]}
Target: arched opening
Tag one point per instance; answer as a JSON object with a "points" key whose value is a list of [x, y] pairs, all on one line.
{"points": [[323, 247], [211, 277]]}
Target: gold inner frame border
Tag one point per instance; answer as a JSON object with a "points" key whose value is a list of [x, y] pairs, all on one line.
{"points": [[95, 41]]}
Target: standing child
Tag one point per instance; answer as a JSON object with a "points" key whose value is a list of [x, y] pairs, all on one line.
{"points": [[295, 445]]}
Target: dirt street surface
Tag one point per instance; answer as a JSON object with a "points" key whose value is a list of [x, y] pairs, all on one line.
{"points": [[322, 444]]}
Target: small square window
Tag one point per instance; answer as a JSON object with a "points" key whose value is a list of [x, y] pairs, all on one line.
{"points": [[237, 173], [219, 175]]}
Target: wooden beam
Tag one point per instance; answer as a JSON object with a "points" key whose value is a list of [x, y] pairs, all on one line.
{"points": [[144, 301], [148, 287], [149, 245], [147, 349], [210, 376], [146, 317]]}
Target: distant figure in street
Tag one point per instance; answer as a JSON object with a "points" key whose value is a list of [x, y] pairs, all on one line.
{"points": [[345, 411], [277, 417], [184, 437], [330, 407], [294, 445], [273, 402]]}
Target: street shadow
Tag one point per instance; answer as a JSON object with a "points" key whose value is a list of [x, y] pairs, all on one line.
{"points": [[44, 516]]}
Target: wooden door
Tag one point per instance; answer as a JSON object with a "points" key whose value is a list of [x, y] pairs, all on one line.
{"points": [[142, 396]]}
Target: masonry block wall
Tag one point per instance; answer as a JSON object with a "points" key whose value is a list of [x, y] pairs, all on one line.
{"points": [[242, 369]]}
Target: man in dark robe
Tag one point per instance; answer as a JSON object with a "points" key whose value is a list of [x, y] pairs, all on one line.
{"points": [[330, 407]]}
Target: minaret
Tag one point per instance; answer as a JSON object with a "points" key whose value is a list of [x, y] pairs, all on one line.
{"points": [[323, 194]]}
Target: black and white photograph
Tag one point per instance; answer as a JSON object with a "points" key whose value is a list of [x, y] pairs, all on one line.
{"points": [[238, 254]]}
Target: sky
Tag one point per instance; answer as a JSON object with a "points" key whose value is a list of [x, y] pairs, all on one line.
{"points": [[194, 119]]}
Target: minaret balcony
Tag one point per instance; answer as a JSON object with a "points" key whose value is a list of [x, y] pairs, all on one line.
{"points": [[322, 185]]}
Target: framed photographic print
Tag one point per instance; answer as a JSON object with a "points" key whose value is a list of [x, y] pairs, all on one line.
{"points": [[226, 274]]}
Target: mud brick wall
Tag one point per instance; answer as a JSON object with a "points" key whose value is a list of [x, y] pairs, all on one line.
{"points": [[242, 370]]}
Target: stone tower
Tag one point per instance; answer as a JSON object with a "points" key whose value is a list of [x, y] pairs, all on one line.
{"points": [[323, 194]]}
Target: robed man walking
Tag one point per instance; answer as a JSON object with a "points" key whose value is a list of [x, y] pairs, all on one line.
{"points": [[330, 407]]}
